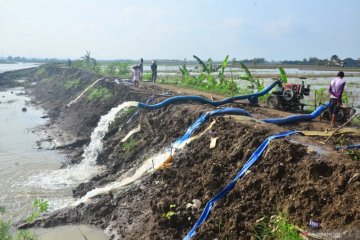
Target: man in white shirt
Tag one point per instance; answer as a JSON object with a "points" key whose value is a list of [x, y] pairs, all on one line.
{"points": [[336, 89]]}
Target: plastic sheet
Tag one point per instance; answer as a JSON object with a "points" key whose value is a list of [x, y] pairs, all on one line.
{"points": [[299, 117], [206, 116], [231, 185], [355, 146], [172, 100]]}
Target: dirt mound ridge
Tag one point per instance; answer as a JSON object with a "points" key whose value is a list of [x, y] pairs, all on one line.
{"points": [[287, 178]]}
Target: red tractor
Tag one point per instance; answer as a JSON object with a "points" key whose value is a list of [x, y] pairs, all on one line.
{"points": [[288, 97]]}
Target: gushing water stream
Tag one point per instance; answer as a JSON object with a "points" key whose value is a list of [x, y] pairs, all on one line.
{"points": [[148, 166], [73, 175]]}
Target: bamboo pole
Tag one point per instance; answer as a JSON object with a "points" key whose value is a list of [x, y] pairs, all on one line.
{"points": [[355, 115]]}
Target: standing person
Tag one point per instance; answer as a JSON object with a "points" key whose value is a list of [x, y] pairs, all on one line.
{"points": [[141, 68], [336, 89], [153, 71], [136, 76]]}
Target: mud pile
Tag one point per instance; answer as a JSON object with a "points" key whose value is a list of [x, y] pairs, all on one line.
{"points": [[289, 177]]}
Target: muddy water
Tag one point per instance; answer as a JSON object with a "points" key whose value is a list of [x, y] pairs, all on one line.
{"points": [[20, 158]]}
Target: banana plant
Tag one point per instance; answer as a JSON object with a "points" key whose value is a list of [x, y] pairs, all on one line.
{"points": [[283, 77], [207, 67], [256, 84], [222, 72]]}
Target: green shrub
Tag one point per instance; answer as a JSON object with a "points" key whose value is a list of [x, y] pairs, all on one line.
{"points": [[277, 227], [5, 230], [96, 93], [72, 84], [129, 145], [39, 206]]}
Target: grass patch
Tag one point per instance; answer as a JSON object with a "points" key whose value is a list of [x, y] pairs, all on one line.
{"points": [[343, 140], [97, 93], [40, 71], [169, 214], [129, 145], [39, 206], [276, 227], [72, 84]]}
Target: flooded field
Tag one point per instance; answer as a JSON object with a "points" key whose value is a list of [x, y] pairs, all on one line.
{"points": [[21, 158]]}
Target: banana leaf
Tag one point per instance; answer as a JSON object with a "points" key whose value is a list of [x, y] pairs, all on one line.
{"points": [[203, 65], [283, 76]]}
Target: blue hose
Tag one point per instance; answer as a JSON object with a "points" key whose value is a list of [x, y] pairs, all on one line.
{"points": [[299, 117], [231, 185], [251, 97], [355, 146], [204, 117]]}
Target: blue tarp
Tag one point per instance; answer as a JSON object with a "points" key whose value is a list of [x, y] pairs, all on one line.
{"points": [[203, 100], [231, 185], [299, 117], [204, 117]]}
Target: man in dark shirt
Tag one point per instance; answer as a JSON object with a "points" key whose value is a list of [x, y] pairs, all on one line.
{"points": [[154, 71]]}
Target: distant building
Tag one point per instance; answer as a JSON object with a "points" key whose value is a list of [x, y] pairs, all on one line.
{"points": [[349, 62]]}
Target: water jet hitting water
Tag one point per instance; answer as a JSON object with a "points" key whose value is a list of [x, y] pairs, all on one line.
{"points": [[76, 174]]}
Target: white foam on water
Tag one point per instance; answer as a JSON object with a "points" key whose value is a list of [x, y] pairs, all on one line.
{"points": [[75, 174]]}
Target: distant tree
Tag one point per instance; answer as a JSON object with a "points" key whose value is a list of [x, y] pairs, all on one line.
{"points": [[335, 58], [86, 58], [89, 60], [258, 61]]}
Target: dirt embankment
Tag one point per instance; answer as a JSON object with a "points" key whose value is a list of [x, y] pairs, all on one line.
{"points": [[296, 175]]}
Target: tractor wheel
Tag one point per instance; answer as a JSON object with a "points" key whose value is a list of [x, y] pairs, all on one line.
{"points": [[288, 94], [326, 115], [273, 101], [341, 116]]}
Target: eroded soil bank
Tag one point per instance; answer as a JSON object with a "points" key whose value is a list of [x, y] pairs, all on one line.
{"points": [[296, 175]]}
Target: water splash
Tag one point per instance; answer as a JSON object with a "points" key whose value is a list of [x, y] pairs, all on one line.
{"points": [[73, 175], [148, 166], [96, 144]]}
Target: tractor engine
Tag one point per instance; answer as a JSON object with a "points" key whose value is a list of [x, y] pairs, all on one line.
{"points": [[288, 96]]}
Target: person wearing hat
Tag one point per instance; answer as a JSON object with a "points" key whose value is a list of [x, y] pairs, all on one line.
{"points": [[153, 71], [136, 75]]}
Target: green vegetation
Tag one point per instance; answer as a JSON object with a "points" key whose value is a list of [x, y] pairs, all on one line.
{"points": [[116, 69], [72, 84], [342, 140], [97, 93], [321, 96], [255, 83], [208, 80], [276, 227], [283, 77], [129, 145], [169, 214], [39, 206]]}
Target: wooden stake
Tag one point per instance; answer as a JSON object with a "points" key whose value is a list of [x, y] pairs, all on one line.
{"points": [[355, 115]]}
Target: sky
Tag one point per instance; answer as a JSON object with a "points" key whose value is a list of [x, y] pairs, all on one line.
{"points": [[177, 29]]}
